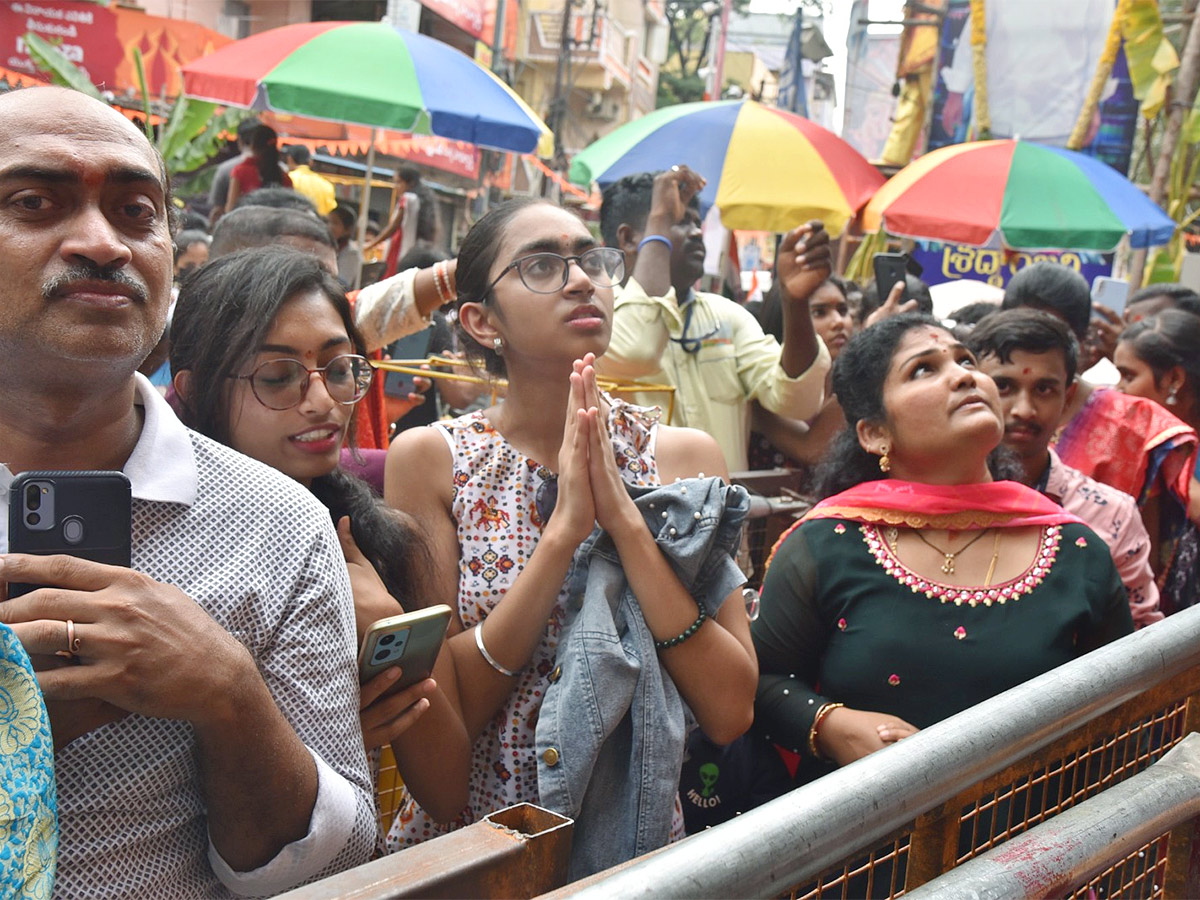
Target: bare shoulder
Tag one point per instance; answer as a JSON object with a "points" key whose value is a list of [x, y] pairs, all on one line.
{"points": [[419, 468], [687, 453]]}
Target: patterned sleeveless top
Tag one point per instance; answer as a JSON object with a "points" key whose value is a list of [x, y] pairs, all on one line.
{"points": [[496, 509]]}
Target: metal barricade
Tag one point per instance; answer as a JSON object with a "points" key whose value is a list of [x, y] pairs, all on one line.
{"points": [[900, 817], [1073, 851], [897, 819]]}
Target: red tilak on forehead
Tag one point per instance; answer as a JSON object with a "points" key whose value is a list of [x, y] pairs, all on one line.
{"points": [[1026, 371], [936, 335]]}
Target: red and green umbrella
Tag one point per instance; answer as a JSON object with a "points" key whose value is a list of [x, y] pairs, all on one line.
{"points": [[767, 169], [368, 73], [1032, 196]]}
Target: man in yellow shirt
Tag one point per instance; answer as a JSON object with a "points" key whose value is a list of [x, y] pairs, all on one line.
{"points": [[315, 187], [710, 349]]}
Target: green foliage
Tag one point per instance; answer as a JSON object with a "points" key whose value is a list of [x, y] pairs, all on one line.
{"points": [[1165, 262], [187, 151], [61, 70]]}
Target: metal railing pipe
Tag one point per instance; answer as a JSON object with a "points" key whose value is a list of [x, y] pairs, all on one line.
{"points": [[797, 836], [1069, 850]]}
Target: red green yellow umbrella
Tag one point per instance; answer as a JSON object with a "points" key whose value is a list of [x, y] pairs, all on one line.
{"points": [[368, 73], [1032, 196], [767, 169]]}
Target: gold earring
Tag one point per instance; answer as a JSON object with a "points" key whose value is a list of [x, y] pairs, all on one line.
{"points": [[885, 464]]}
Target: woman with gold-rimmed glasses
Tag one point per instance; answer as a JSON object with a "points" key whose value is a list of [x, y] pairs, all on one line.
{"points": [[266, 358]]}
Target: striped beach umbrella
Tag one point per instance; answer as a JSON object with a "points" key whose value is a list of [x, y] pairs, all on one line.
{"points": [[767, 169], [1032, 196], [373, 74]]}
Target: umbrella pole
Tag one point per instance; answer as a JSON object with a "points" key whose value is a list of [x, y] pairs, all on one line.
{"points": [[365, 207]]}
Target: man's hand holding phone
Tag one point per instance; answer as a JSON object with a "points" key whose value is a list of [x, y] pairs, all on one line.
{"points": [[136, 646]]}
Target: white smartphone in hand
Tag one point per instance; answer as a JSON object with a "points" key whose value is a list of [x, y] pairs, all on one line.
{"points": [[1111, 293]]}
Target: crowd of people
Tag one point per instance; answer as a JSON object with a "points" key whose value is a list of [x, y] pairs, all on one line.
{"points": [[194, 725]]}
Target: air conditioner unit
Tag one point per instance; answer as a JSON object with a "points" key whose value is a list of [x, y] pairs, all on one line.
{"points": [[601, 108]]}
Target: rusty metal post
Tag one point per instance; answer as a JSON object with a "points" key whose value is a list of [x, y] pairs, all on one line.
{"points": [[1069, 850], [518, 852]]}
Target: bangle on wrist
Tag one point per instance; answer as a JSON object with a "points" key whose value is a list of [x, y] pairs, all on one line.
{"points": [[487, 656], [651, 238], [817, 720], [683, 635]]}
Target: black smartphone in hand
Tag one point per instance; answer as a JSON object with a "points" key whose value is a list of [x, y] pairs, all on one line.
{"points": [[890, 268], [82, 514]]}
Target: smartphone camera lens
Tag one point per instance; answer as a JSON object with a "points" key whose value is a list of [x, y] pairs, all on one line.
{"points": [[387, 639], [33, 497], [381, 655], [33, 518]]}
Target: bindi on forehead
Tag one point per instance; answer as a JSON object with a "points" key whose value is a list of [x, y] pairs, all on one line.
{"points": [[1026, 371]]}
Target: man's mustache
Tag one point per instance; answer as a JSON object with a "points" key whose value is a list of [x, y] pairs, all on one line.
{"points": [[89, 271]]}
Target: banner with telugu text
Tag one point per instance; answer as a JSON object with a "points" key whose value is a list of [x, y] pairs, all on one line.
{"points": [[952, 262], [101, 41]]}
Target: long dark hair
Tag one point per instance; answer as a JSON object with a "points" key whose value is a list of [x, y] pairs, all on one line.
{"points": [[858, 376], [265, 147], [476, 255], [221, 319]]}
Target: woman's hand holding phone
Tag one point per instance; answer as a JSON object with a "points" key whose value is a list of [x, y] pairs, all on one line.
{"points": [[386, 716]]}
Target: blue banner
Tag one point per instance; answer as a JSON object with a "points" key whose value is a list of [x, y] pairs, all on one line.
{"points": [[952, 262]]}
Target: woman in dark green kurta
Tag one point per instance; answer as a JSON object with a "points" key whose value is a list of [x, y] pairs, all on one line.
{"points": [[862, 637]]}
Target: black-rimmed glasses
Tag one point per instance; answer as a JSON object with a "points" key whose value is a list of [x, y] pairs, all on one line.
{"points": [[545, 273], [283, 383]]}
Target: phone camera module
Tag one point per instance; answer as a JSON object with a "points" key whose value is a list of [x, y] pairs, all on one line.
{"points": [[387, 639], [33, 518], [381, 655], [33, 497]]}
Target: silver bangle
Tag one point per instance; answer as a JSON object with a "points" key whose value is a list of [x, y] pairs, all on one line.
{"points": [[484, 653]]}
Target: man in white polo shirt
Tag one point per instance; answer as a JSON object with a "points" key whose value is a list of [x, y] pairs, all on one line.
{"points": [[205, 722]]}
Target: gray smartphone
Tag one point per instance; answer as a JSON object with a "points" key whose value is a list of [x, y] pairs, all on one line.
{"points": [[413, 346], [82, 514], [411, 641]]}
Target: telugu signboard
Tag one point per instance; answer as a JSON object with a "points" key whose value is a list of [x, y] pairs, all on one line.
{"points": [[101, 42]]}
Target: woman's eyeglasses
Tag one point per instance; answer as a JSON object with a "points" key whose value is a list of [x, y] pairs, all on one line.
{"points": [[283, 383], [545, 273]]}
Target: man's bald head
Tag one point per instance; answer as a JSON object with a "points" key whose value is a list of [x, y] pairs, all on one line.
{"points": [[50, 109]]}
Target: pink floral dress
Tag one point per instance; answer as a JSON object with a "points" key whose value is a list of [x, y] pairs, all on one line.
{"points": [[496, 507]]}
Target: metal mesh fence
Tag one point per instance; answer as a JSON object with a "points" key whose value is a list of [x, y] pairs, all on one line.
{"points": [[1108, 750]]}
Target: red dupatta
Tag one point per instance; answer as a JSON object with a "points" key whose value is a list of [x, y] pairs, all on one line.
{"points": [[956, 507]]}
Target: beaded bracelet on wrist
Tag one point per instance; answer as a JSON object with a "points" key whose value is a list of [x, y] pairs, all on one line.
{"points": [[684, 635]]}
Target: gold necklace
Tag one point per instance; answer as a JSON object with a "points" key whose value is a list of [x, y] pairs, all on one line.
{"points": [[948, 565]]}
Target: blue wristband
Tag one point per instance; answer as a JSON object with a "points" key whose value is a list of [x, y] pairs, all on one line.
{"points": [[655, 237]]}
